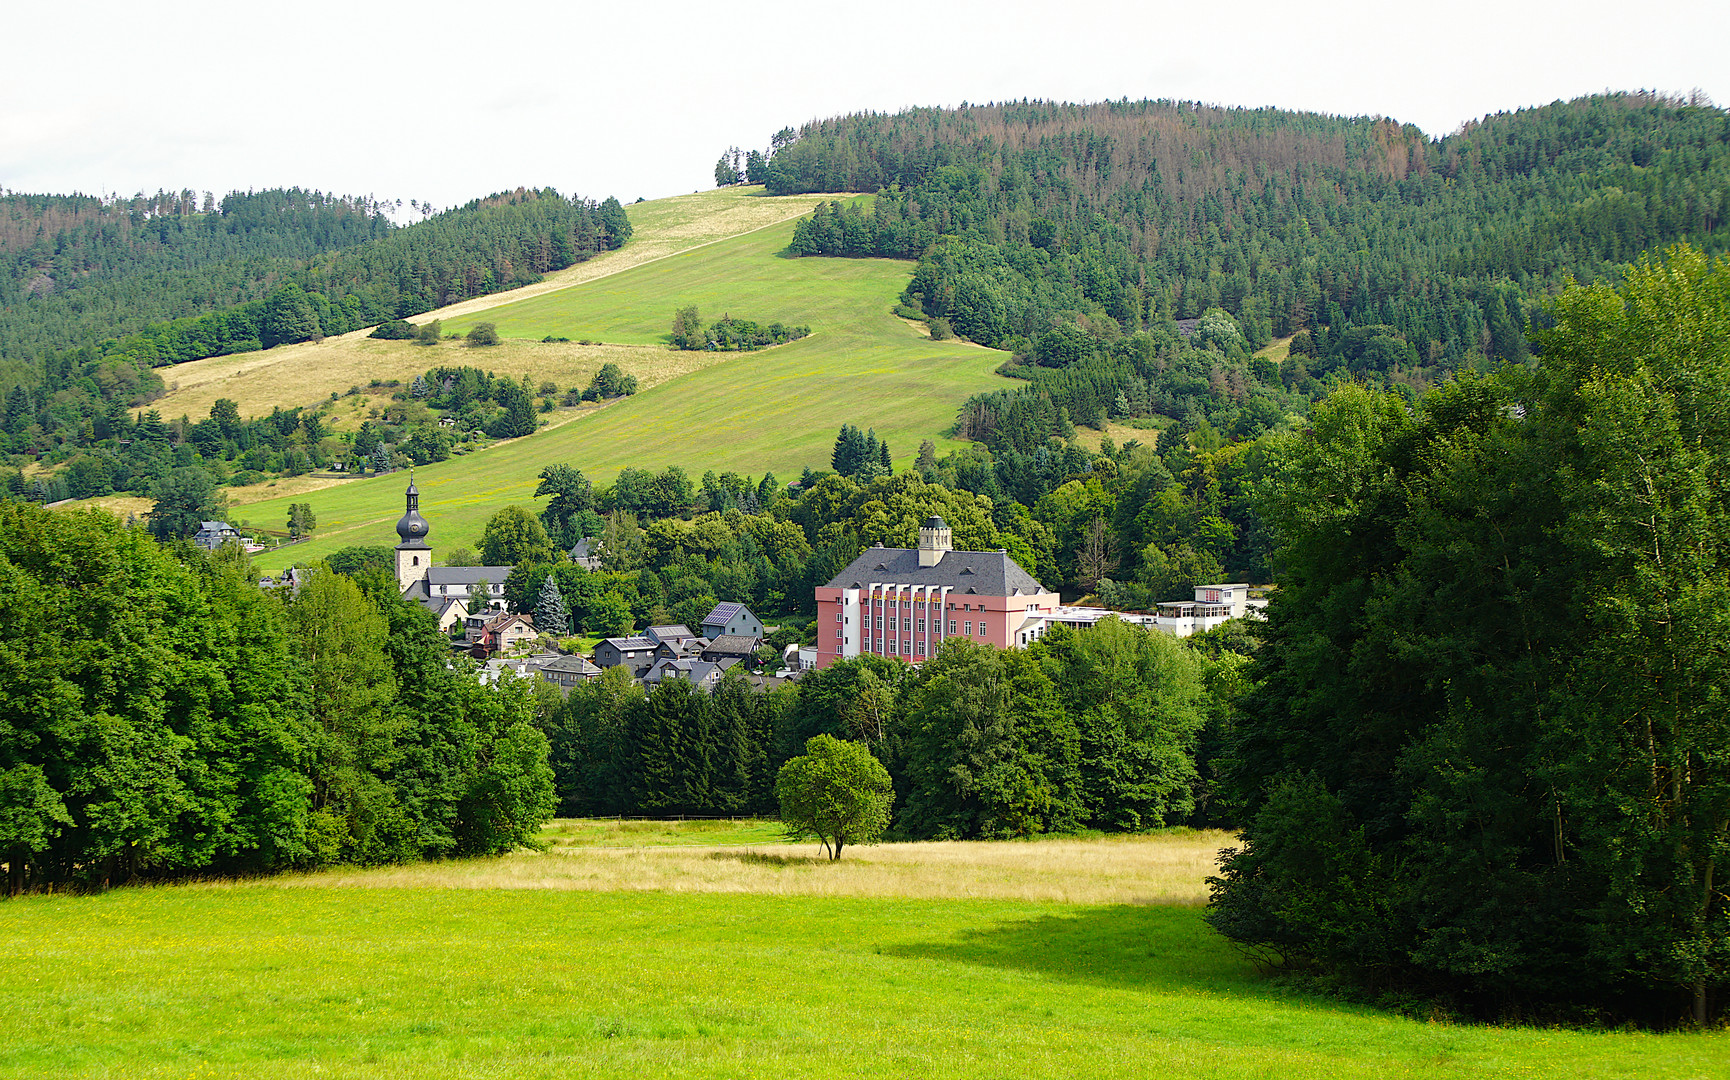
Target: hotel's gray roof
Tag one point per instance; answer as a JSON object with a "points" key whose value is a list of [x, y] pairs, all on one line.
{"points": [[988, 573]]}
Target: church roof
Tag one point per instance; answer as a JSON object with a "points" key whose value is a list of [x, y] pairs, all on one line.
{"points": [[468, 575]]}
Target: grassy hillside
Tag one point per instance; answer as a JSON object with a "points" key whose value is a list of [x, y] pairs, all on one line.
{"points": [[754, 962], [777, 409], [291, 375]]}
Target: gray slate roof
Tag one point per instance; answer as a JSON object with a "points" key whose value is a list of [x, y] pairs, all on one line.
{"points": [[733, 643], [669, 632], [467, 575], [435, 604], [988, 573], [575, 664]]}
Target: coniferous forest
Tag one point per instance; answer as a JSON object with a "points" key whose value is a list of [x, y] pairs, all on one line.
{"points": [[89, 286], [1096, 242]]}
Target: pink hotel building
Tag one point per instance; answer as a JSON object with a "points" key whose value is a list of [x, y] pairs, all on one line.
{"points": [[901, 603]]}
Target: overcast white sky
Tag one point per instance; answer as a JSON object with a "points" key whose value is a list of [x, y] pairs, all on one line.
{"points": [[445, 102]]}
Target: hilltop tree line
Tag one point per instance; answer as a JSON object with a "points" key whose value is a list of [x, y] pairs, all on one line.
{"points": [[1122, 216], [173, 718], [76, 270], [488, 245], [101, 294]]}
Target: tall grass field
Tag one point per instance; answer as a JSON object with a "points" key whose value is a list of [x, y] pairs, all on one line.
{"points": [[483, 969]]}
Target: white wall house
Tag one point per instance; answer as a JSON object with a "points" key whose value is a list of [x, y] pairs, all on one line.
{"points": [[1213, 605]]}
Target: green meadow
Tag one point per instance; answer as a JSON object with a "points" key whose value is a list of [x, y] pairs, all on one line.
{"points": [[772, 410], [464, 970]]}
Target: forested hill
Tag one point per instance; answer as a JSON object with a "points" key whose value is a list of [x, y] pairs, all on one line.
{"points": [[75, 267], [175, 282], [1121, 215]]}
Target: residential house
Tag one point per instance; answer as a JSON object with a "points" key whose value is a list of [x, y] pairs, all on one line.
{"points": [[450, 612], [1213, 605], [636, 653], [701, 674], [213, 534], [500, 631], [565, 672], [732, 620], [586, 553], [673, 634], [292, 579], [734, 646]]}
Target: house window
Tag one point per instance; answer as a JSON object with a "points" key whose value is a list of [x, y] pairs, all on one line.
{"points": [[906, 624], [921, 626], [837, 616], [982, 628], [952, 626], [837, 632], [969, 629]]}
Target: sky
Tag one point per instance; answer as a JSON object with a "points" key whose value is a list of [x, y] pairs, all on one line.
{"points": [[443, 103]]}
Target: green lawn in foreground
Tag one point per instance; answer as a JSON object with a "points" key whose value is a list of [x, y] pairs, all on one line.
{"points": [[269, 980], [777, 409]]}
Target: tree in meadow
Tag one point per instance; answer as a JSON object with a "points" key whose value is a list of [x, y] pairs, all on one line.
{"points": [[835, 791]]}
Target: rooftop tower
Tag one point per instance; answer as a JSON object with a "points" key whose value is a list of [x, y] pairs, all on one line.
{"points": [[934, 540]]}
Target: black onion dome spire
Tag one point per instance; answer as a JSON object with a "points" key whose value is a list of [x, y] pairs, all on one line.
{"points": [[413, 528]]}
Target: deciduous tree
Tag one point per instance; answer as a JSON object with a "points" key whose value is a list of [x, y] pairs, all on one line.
{"points": [[837, 792]]}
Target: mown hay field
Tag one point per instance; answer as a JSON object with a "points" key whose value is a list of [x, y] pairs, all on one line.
{"points": [[463, 973], [773, 410], [292, 375]]}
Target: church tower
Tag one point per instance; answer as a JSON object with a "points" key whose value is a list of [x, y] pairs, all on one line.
{"points": [[413, 555]]}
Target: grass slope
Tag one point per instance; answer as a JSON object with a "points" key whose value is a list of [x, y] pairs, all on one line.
{"points": [[321, 974], [291, 375], [776, 409]]}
